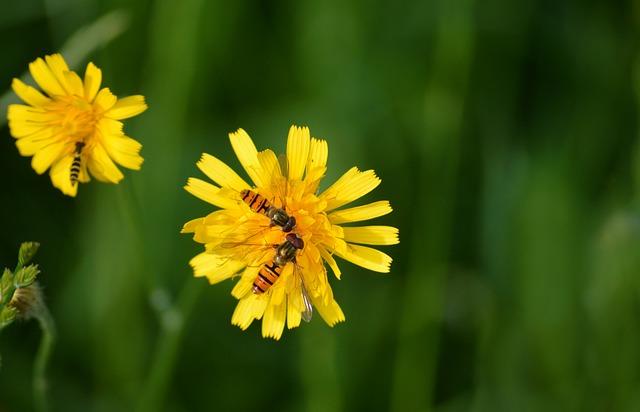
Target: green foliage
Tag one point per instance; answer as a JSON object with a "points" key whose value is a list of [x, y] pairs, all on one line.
{"points": [[27, 251], [24, 277], [6, 286], [7, 316]]}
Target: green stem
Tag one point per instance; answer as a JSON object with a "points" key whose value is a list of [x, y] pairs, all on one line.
{"points": [[163, 362], [42, 358]]}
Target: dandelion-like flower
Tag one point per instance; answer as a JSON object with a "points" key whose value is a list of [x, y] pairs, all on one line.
{"points": [[73, 129], [244, 239]]}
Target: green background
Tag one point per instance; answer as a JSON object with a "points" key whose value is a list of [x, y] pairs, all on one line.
{"points": [[505, 134]]}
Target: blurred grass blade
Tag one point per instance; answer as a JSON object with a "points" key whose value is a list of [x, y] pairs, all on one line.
{"points": [[78, 47], [418, 341], [175, 27], [319, 369]]}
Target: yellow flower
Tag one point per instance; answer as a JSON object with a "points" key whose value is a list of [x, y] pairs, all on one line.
{"points": [[240, 241], [74, 128]]}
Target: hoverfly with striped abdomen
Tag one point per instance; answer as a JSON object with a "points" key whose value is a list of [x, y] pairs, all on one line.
{"points": [[76, 164], [270, 272], [260, 204]]}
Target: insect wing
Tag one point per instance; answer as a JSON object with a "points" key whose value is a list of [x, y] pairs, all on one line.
{"points": [[307, 313]]}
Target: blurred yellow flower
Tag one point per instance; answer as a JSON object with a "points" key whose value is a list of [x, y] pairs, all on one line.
{"points": [[239, 240], [74, 127]]}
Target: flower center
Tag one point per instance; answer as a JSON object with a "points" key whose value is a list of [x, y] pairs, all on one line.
{"points": [[79, 119]]}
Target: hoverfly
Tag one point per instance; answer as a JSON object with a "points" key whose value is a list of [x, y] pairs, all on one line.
{"points": [[270, 272], [76, 163], [260, 204]]}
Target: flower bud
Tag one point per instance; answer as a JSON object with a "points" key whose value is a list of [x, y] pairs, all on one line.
{"points": [[27, 251]]}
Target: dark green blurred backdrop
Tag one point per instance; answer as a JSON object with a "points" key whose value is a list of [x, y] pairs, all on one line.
{"points": [[506, 137]]}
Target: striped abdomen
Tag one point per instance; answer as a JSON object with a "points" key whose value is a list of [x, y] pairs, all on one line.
{"points": [[256, 202], [76, 163], [267, 276]]}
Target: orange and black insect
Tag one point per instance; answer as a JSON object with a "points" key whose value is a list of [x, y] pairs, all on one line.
{"points": [[260, 204], [76, 163], [270, 272]]}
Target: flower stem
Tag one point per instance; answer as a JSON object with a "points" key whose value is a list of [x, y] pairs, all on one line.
{"points": [[164, 359], [42, 358]]}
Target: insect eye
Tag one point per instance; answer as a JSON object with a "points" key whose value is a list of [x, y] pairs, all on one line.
{"points": [[296, 241]]}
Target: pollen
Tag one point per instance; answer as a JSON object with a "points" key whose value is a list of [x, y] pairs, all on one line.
{"points": [[78, 119]]}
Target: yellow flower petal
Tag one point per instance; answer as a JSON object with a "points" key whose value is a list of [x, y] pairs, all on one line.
{"points": [[58, 67], [270, 167], [29, 94], [273, 322], [330, 261], [245, 284], [191, 225], [92, 81], [250, 308], [330, 311], [247, 154], [31, 144], [102, 167], [360, 213], [314, 275], [105, 100], [61, 176], [214, 267], [21, 129], [84, 173], [312, 252], [294, 307], [45, 78], [366, 257], [74, 84], [27, 120], [42, 160], [351, 186], [220, 173], [127, 107], [22, 112], [209, 193], [316, 164], [318, 153], [124, 150], [297, 151], [278, 289], [110, 127], [372, 235]]}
